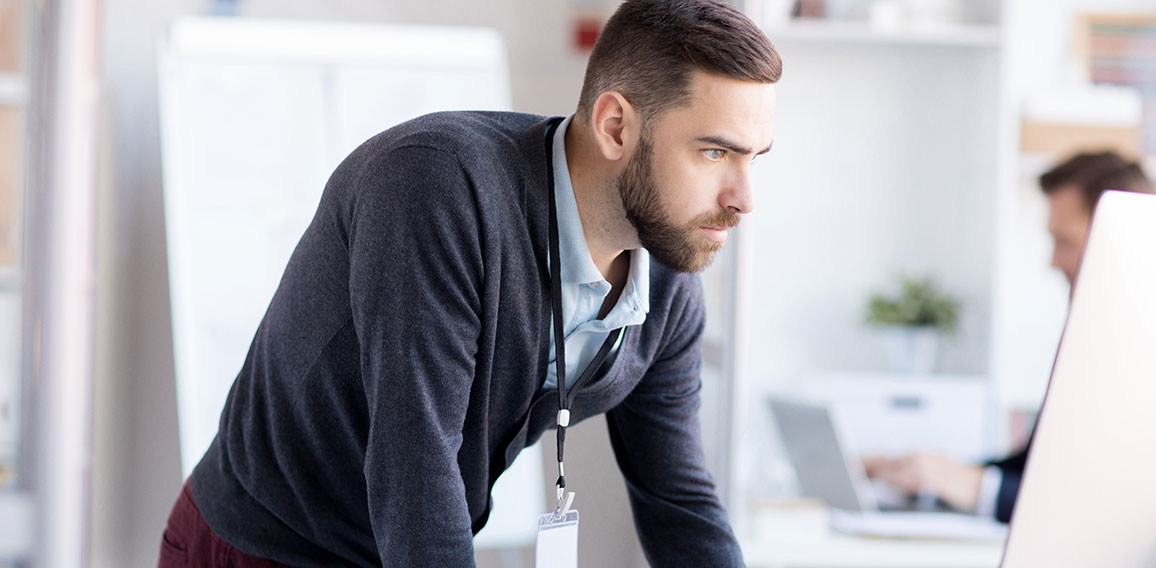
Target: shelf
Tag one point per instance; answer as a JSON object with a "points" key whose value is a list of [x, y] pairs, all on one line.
{"points": [[13, 89], [847, 32]]}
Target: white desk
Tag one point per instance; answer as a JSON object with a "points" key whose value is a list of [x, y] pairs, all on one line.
{"points": [[791, 537]]}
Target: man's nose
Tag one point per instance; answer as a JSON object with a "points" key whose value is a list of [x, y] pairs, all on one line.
{"points": [[738, 197]]}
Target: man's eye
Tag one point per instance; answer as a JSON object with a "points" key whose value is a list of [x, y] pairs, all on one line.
{"points": [[715, 153]]}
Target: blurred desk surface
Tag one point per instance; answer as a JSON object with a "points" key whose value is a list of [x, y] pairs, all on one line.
{"points": [[792, 536]]}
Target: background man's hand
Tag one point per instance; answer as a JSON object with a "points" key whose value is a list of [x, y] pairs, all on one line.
{"points": [[957, 484]]}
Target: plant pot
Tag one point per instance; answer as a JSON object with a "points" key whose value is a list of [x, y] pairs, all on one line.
{"points": [[912, 349]]}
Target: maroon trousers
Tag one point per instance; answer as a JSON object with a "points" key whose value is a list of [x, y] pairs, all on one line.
{"points": [[189, 542]]}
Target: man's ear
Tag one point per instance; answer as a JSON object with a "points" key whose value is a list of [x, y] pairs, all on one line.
{"points": [[614, 125]]}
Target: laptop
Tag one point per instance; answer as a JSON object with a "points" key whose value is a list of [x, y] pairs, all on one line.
{"points": [[1089, 491], [829, 470]]}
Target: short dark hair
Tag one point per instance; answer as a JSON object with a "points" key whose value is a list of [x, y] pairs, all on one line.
{"points": [[649, 48], [1093, 173]]}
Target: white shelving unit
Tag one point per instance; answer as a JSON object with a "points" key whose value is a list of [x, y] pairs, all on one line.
{"points": [[829, 32], [886, 162], [889, 159], [898, 151]]}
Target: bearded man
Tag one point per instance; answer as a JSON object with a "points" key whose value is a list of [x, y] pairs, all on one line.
{"points": [[412, 348]]}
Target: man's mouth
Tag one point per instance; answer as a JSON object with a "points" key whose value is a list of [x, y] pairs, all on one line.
{"points": [[716, 234]]}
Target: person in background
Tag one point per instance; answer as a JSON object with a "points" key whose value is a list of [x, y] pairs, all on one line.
{"points": [[1073, 187]]}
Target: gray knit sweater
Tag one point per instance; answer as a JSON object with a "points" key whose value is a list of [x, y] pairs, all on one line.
{"points": [[398, 369]]}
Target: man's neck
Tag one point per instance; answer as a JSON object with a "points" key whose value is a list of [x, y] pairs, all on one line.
{"points": [[604, 225]]}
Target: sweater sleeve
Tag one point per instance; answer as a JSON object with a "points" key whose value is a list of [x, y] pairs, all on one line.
{"points": [[415, 272], [656, 437]]}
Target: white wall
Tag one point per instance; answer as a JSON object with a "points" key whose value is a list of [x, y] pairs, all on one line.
{"points": [[545, 71]]}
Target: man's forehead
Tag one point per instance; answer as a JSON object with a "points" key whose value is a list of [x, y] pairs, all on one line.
{"points": [[723, 107]]}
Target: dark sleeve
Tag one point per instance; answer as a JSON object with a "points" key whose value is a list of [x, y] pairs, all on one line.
{"points": [[1013, 462], [656, 437], [1009, 489], [1012, 471], [415, 272]]}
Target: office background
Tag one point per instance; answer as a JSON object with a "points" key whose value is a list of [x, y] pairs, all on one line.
{"points": [[904, 145]]}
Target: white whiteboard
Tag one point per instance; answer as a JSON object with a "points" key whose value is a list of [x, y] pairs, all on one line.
{"points": [[255, 115]]}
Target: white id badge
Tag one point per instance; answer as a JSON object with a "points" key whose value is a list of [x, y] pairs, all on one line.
{"points": [[558, 540]]}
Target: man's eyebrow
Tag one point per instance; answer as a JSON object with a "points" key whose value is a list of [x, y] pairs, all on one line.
{"points": [[731, 146]]}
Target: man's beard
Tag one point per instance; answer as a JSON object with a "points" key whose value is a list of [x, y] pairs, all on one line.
{"points": [[682, 248]]}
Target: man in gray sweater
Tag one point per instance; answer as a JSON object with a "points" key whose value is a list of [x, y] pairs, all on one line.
{"points": [[410, 350]]}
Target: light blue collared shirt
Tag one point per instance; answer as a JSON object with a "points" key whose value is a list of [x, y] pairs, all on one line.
{"points": [[583, 287]]}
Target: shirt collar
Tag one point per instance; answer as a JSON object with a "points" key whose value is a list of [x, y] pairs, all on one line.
{"points": [[636, 295]]}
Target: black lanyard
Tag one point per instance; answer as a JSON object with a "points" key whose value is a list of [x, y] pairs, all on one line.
{"points": [[565, 398]]}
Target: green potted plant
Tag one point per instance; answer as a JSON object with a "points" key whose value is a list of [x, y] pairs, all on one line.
{"points": [[914, 322]]}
